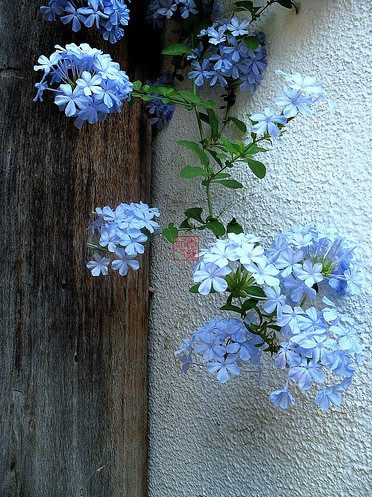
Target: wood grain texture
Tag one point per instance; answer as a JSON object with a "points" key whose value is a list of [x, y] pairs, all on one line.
{"points": [[73, 347]]}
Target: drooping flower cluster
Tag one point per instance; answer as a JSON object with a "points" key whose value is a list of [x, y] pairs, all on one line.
{"points": [[226, 54], [274, 292], [161, 113], [160, 10], [87, 84], [299, 95], [108, 16], [121, 233]]}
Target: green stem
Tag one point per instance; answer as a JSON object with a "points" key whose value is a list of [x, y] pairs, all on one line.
{"points": [[210, 209], [200, 126]]}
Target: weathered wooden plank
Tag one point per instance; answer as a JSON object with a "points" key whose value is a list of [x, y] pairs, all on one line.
{"points": [[73, 348]]}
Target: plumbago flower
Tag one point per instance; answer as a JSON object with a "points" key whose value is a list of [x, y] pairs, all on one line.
{"points": [[160, 10], [299, 95], [86, 83], [108, 16], [228, 56], [274, 292], [160, 113], [120, 235]]}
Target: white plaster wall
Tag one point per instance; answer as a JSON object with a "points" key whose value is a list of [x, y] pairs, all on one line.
{"points": [[213, 440]]}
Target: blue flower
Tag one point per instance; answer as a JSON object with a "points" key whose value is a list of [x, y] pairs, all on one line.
{"points": [[88, 85], [265, 123], [316, 339], [108, 16], [210, 347], [93, 13], [282, 398], [99, 265], [275, 300], [238, 28], [298, 289], [53, 9], [124, 262], [221, 253], [211, 276], [264, 273], [187, 7], [347, 338], [132, 240], [294, 102], [159, 10], [354, 280], [287, 356], [287, 259], [119, 233], [70, 100], [309, 273], [109, 237], [223, 366], [73, 16], [305, 373], [200, 72], [290, 317]]}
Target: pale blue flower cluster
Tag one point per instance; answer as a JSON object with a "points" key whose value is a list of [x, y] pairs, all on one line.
{"points": [[121, 232], [160, 10], [108, 16], [280, 315], [86, 83], [161, 113], [299, 95], [223, 56], [225, 345]]}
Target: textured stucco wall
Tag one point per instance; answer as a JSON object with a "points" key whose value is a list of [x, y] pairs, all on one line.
{"points": [[212, 440]]}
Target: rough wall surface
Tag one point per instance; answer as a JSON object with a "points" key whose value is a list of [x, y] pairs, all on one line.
{"points": [[212, 440]]}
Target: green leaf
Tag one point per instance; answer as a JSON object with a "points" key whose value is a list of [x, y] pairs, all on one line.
{"points": [[185, 225], [252, 42], [257, 168], [249, 304], [255, 291], [194, 288], [253, 149], [177, 49], [239, 124], [193, 172], [189, 97], [213, 122], [197, 150], [214, 154], [137, 85], [229, 183], [274, 327], [229, 146], [285, 3], [207, 104], [221, 176], [216, 227], [230, 307], [194, 213], [205, 118], [170, 233], [146, 98], [165, 91], [247, 5], [234, 227]]}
